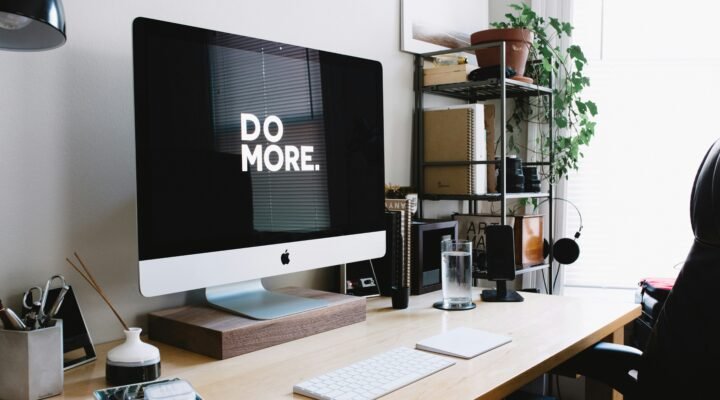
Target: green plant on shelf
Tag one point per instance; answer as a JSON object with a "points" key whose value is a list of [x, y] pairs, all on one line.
{"points": [[570, 112]]}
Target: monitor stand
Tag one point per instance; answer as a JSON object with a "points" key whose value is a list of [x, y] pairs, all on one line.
{"points": [[502, 294], [252, 300]]}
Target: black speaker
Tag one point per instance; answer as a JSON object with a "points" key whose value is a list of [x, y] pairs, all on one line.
{"points": [[513, 175], [426, 257], [565, 250], [388, 269], [500, 253], [532, 179]]}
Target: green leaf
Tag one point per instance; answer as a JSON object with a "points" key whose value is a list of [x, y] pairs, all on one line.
{"points": [[546, 65], [575, 52], [579, 65], [582, 108], [561, 122], [555, 23], [567, 28], [591, 107]]}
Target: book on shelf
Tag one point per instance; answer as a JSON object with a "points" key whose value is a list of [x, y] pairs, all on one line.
{"points": [[455, 133], [444, 74], [490, 146]]}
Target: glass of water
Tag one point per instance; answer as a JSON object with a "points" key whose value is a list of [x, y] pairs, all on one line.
{"points": [[456, 259]]}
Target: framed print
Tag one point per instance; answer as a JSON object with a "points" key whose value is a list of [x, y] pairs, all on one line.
{"points": [[431, 25]]}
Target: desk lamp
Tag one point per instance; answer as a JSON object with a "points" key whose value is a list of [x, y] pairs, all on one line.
{"points": [[31, 25]]}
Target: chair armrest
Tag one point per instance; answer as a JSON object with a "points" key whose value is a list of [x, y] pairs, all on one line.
{"points": [[609, 363]]}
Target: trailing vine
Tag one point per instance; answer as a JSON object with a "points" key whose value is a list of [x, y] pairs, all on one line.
{"points": [[549, 64]]}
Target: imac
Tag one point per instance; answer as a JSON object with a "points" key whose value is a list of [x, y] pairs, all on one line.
{"points": [[253, 159]]}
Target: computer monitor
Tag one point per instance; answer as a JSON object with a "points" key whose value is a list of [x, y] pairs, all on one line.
{"points": [[254, 158]]}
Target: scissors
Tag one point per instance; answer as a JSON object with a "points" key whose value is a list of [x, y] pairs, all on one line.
{"points": [[33, 302], [58, 300], [35, 299]]}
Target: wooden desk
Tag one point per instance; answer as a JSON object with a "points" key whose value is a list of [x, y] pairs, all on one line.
{"points": [[546, 331]]}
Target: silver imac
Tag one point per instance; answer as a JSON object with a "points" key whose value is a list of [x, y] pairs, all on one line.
{"points": [[253, 159]]}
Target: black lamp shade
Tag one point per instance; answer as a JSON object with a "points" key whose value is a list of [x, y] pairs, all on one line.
{"points": [[27, 25]]}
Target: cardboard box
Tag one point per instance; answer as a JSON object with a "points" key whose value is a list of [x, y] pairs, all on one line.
{"points": [[445, 74]]}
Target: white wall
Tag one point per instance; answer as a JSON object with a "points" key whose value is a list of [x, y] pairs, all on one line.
{"points": [[66, 134]]}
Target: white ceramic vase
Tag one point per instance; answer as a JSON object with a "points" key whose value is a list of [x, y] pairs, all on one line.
{"points": [[133, 361]]}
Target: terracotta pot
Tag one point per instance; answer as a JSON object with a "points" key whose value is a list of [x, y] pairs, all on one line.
{"points": [[518, 42]]}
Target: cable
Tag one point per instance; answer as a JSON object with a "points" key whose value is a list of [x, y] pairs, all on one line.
{"points": [[557, 274], [573, 205], [545, 286], [553, 281], [377, 284]]}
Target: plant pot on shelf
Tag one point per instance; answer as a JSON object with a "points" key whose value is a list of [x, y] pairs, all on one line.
{"points": [[518, 42]]}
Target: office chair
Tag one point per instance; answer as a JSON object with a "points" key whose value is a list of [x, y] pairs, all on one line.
{"points": [[686, 336]]}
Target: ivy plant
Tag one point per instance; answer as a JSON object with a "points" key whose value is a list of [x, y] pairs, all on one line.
{"points": [[549, 65]]}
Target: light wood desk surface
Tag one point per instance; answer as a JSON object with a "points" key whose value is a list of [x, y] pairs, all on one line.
{"points": [[545, 331]]}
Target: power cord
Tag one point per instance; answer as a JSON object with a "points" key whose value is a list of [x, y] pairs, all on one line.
{"points": [[545, 286]]}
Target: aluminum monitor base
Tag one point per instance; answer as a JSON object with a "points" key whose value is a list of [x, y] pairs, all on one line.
{"points": [[252, 300]]}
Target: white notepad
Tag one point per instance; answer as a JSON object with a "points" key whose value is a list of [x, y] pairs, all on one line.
{"points": [[463, 342]]}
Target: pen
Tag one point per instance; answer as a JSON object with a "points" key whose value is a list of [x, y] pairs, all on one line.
{"points": [[10, 319]]}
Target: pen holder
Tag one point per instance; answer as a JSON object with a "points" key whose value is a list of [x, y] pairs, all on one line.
{"points": [[31, 363]]}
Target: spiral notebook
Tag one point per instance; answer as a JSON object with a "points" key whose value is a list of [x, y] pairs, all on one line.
{"points": [[455, 133], [463, 342]]}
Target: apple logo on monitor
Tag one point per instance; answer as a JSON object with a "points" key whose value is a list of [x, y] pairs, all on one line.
{"points": [[285, 258]]}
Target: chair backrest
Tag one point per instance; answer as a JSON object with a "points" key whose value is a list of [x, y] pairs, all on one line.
{"points": [[687, 333]]}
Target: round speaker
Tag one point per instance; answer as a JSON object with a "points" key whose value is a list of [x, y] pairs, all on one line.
{"points": [[565, 251]]}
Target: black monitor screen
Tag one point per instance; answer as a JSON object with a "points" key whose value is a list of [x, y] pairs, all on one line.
{"points": [[245, 142]]}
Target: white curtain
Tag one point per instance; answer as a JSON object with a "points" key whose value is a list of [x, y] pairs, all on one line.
{"points": [[563, 10]]}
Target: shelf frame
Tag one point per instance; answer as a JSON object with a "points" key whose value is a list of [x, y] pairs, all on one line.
{"points": [[500, 88]]}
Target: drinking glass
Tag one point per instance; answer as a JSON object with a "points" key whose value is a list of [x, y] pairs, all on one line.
{"points": [[456, 267]]}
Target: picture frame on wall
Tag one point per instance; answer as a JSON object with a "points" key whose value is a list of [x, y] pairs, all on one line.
{"points": [[431, 25]]}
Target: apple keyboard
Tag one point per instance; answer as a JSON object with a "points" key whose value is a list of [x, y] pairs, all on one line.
{"points": [[373, 377]]}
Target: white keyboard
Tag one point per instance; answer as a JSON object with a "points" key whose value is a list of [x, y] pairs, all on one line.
{"points": [[374, 377]]}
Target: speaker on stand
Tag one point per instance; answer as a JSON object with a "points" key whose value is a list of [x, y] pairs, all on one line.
{"points": [[565, 250]]}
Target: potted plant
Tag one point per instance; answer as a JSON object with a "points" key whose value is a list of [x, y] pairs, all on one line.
{"points": [[562, 69], [519, 41]]}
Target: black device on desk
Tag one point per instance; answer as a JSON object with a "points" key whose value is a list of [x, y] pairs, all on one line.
{"points": [[500, 248], [425, 254], [78, 347]]}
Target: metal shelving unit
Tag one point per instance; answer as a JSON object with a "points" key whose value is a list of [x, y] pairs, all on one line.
{"points": [[500, 88]]}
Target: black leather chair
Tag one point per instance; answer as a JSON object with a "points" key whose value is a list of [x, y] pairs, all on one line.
{"points": [[682, 358]]}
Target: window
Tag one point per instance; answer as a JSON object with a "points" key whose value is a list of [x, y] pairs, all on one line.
{"points": [[654, 73]]}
